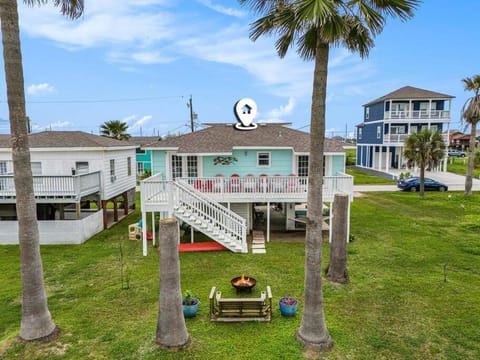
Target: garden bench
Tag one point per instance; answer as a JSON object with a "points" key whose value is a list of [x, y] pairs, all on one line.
{"points": [[240, 309]]}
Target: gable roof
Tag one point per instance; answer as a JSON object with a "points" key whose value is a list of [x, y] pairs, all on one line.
{"points": [[410, 92], [223, 138], [144, 140], [66, 139]]}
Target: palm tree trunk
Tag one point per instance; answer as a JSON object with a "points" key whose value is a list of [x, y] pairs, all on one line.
{"points": [[337, 267], [471, 159], [171, 329], [313, 331], [422, 179], [36, 319]]}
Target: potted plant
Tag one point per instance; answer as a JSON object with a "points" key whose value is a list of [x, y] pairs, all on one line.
{"points": [[288, 306], [189, 304]]}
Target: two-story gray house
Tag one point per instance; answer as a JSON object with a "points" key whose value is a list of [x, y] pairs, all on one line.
{"points": [[390, 119]]}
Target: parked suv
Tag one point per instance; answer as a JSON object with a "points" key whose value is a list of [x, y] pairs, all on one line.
{"points": [[456, 153]]}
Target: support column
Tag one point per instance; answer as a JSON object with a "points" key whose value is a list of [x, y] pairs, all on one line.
{"points": [[125, 203], [380, 155], [268, 221], [61, 209], [78, 211], [144, 233], [153, 228], [105, 215], [115, 210]]}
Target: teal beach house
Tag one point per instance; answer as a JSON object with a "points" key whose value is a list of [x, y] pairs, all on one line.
{"points": [[222, 180]]}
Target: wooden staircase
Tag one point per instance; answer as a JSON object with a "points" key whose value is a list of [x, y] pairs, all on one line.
{"points": [[211, 218]]}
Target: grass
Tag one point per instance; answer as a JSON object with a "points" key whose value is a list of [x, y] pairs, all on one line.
{"points": [[364, 178], [459, 166], [396, 306]]}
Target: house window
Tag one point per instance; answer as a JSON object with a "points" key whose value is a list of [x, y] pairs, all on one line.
{"points": [[176, 166], [81, 167], [302, 165], [140, 151], [3, 167], [140, 168], [367, 113], [192, 166], [129, 166], [263, 159], [397, 129], [112, 170], [379, 132], [360, 133]]}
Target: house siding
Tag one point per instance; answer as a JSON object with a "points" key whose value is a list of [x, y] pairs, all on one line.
{"points": [[123, 181], [376, 112]]}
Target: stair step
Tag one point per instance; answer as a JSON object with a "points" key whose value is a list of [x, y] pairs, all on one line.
{"points": [[254, 241], [258, 246], [259, 251]]}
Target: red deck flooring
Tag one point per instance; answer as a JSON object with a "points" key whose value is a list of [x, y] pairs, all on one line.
{"points": [[201, 246]]}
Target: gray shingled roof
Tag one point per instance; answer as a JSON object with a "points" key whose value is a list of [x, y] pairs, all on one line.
{"points": [[65, 139], [143, 140], [410, 92], [222, 138]]}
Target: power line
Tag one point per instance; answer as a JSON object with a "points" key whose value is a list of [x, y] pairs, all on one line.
{"points": [[103, 100]]}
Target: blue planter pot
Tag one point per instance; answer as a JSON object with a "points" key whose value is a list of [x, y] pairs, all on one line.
{"points": [[288, 309], [190, 311]]}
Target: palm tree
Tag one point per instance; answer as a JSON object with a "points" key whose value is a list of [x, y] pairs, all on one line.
{"points": [[313, 26], [36, 319], [471, 115], [115, 129], [425, 150]]}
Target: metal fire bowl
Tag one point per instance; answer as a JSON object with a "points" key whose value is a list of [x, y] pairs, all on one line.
{"points": [[248, 286]]}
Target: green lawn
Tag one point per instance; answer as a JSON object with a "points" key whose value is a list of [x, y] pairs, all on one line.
{"points": [[396, 306], [364, 178], [459, 166]]}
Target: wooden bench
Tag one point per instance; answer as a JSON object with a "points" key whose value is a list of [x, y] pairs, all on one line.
{"points": [[240, 309]]}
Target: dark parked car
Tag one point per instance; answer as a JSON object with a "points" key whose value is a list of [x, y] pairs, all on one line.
{"points": [[456, 153], [413, 184]]}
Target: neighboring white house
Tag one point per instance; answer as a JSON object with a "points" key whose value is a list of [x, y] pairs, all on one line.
{"points": [[71, 169]]}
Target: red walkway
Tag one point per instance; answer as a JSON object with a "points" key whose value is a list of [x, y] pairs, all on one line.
{"points": [[201, 246]]}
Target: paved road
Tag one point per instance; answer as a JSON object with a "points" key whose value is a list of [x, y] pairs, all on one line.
{"points": [[455, 183]]}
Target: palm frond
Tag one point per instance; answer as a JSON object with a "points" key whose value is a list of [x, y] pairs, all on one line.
{"points": [[71, 8]]}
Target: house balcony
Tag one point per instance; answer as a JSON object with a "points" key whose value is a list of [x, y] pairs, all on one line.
{"points": [[399, 139], [157, 194], [54, 188], [426, 115]]}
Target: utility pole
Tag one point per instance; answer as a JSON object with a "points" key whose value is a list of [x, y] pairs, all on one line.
{"points": [[193, 115]]}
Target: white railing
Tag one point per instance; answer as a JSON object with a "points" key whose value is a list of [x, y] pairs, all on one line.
{"points": [[400, 138], [265, 188], [418, 114], [70, 186], [213, 215]]}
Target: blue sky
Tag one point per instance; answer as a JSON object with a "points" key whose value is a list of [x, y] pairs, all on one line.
{"points": [[140, 60]]}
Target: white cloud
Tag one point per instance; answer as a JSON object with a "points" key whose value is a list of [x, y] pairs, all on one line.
{"points": [[222, 9], [136, 123], [40, 89], [58, 125]]}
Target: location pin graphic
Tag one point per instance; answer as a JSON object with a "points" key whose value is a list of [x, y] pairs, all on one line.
{"points": [[245, 110]]}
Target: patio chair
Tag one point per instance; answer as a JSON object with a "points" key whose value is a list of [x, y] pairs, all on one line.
{"points": [[292, 183], [218, 183], [249, 183], [277, 184], [235, 183], [263, 183]]}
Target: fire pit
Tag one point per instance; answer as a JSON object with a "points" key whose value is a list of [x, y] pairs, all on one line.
{"points": [[243, 283]]}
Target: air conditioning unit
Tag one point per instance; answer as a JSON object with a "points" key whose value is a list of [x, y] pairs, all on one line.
{"points": [[113, 178]]}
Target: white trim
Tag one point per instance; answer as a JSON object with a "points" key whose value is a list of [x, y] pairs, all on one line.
{"points": [[262, 147]]}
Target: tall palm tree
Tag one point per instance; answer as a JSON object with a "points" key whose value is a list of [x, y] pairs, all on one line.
{"points": [[471, 116], [425, 150], [115, 129], [313, 26], [36, 319]]}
